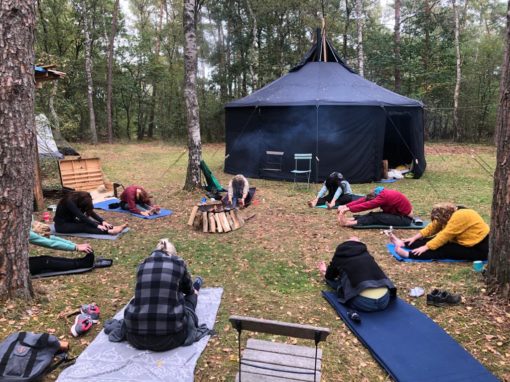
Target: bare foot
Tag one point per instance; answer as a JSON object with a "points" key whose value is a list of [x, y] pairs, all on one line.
{"points": [[117, 229], [395, 240], [401, 251]]}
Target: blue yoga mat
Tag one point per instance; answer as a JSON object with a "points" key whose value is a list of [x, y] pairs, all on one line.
{"points": [[392, 180], [391, 250], [105, 203], [410, 346]]}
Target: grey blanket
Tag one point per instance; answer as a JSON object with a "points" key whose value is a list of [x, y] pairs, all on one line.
{"points": [[107, 361]]}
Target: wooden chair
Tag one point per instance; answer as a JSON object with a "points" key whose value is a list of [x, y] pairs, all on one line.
{"points": [[303, 167], [266, 361], [273, 162]]}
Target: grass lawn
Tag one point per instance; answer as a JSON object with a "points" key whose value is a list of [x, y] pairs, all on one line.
{"points": [[267, 268]]}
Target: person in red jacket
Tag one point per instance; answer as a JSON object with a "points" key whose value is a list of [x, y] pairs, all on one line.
{"points": [[396, 209], [136, 200]]}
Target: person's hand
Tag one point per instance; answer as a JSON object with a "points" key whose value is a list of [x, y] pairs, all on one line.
{"points": [[343, 209], [145, 213], [102, 227], [107, 225], [330, 204], [87, 248], [418, 251], [410, 240], [321, 265]]}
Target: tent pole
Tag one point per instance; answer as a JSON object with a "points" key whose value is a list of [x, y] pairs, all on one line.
{"points": [[317, 144]]}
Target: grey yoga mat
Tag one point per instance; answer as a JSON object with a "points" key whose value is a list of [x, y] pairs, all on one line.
{"points": [[89, 235], [107, 361]]}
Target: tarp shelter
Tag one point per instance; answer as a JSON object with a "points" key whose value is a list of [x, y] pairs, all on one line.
{"points": [[323, 107], [46, 145]]}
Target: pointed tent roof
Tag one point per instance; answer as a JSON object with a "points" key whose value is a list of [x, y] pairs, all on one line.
{"points": [[322, 78]]}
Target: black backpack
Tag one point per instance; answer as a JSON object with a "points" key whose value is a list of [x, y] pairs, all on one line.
{"points": [[28, 356]]}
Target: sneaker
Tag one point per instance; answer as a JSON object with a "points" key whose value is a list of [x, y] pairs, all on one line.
{"points": [[445, 298], [92, 310], [197, 284], [82, 325], [432, 297]]}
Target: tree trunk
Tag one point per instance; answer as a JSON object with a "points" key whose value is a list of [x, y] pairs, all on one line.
{"points": [[398, 78], [359, 26], [346, 29], [55, 122], [499, 254], [190, 94], [157, 49], [109, 71], [253, 55], [88, 71], [456, 127], [426, 50], [17, 144]]}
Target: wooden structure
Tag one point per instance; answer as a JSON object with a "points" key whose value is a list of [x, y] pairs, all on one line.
{"points": [[42, 73], [213, 217], [81, 174], [275, 362]]}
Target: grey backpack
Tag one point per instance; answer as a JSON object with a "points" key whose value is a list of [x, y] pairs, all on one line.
{"points": [[28, 356]]}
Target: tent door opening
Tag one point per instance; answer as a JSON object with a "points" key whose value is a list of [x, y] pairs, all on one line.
{"points": [[397, 139]]}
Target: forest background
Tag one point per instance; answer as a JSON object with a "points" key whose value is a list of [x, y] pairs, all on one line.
{"points": [[246, 44]]}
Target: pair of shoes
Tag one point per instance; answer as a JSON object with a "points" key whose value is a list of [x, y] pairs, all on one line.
{"points": [[89, 315], [443, 298]]}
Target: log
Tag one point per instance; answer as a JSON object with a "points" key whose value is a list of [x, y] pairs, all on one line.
{"points": [[197, 222], [192, 216], [239, 218], [234, 219], [224, 222], [230, 220], [219, 228], [212, 222], [205, 222]]}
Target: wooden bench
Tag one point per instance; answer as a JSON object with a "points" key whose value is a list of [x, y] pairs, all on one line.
{"points": [[266, 361]]}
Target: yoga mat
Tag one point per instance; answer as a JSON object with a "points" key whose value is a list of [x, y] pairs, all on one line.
{"points": [[100, 263], [391, 250], [89, 235], [379, 226], [107, 361], [105, 203], [392, 180], [410, 346], [354, 197]]}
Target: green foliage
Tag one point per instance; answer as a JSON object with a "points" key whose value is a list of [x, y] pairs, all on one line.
{"points": [[246, 44]]}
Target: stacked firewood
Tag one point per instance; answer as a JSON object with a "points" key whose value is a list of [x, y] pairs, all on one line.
{"points": [[213, 217]]}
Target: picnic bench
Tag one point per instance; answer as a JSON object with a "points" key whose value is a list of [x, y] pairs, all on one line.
{"points": [[266, 361]]}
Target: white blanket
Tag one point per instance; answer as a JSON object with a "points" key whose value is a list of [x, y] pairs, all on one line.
{"points": [[104, 361]]}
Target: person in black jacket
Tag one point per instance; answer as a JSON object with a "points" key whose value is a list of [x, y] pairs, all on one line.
{"points": [[75, 214], [357, 278]]}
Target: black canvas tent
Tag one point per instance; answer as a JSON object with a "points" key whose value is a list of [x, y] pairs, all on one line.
{"points": [[323, 107]]}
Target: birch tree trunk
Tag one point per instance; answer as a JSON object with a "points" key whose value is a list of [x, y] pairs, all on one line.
{"points": [[253, 51], [359, 26], [88, 70], [398, 79], [157, 49], [17, 144], [499, 253], [190, 94], [456, 128], [109, 71], [55, 122]]}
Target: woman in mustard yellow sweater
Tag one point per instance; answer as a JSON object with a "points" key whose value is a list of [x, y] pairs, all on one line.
{"points": [[454, 233]]}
